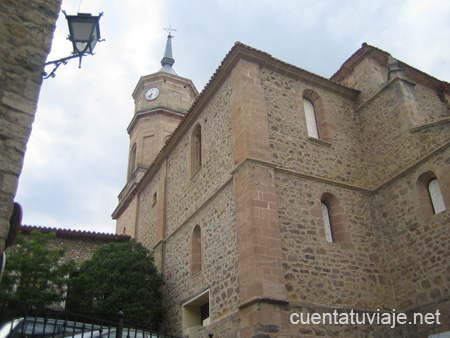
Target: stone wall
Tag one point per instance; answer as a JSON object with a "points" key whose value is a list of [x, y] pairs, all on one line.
{"points": [[345, 272], [150, 134], [126, 224], [431, 109], [331, 273], [387, 122], [416, 245], [405, 128], [187, 191], [289, 142], [368, 77], [218, 267], [26, 32], [149, 199]]}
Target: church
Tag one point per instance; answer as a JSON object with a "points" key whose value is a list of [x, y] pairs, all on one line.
{"points": [[276, 195]]}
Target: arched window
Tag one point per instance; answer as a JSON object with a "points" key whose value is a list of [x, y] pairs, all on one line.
{"points": [[132, 162], [196, 250], [311, 120], [437, 201], [335, 222], [430, 200], [317, 118], [196, 156], [327, 223]]}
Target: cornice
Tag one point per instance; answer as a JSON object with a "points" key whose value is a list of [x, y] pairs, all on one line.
{"points": [[430, 125], [152, 111]]}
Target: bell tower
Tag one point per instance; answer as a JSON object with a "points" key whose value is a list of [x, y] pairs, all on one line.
{"points": [[161, 101]]}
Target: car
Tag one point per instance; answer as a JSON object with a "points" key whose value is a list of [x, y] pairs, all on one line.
{"points": [[31, 327]]}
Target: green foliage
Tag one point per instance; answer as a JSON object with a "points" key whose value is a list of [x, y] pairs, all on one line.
{"points": [[34, 271], [119, 277]]}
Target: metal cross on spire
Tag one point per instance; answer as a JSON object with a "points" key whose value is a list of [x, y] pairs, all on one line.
{"points": [[170, 30], [168, 60]]}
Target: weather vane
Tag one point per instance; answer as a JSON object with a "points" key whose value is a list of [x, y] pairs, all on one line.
{"points": [[170, 30]]}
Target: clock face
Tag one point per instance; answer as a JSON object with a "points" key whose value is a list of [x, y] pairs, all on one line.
{"points": [[152, 93]]}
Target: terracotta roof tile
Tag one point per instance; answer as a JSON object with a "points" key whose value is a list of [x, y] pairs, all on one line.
{"points": [[77, 233]]}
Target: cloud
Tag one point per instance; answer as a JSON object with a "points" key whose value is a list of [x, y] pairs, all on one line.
{"points": [[75, 165]]}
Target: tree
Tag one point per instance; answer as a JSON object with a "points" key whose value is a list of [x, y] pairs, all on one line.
{"points": [[119, 277], [35, 272]]}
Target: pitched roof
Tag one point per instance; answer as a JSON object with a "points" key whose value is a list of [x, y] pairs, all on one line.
{"points": [[92, 235]]}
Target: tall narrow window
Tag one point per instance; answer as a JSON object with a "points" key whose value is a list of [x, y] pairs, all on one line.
{"points": [[196, 149], [311, 121], [132, 163], [196, 250], [437, 201], [327, 223], [335, 222]]}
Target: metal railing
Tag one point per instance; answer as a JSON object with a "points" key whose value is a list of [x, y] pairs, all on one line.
{"points": [[21, 320]]}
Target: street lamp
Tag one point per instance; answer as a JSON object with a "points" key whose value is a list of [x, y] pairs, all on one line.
{"points": [[84, 33]]}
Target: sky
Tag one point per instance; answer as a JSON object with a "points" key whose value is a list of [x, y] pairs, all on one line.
{"points": [[76, 159]]}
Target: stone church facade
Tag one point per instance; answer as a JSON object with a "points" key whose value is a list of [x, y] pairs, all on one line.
{"points": [[276, 191]]}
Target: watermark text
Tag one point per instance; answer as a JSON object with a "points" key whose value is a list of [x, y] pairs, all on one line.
{"points": [[362, 318]]}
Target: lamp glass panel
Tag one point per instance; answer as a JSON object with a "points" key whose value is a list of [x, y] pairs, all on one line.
{"points": [[83, 32], [81, 46]]}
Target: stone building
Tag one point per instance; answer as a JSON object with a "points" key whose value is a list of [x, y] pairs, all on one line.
{"points": [[276, 193], [81, 245], [26, 32]]}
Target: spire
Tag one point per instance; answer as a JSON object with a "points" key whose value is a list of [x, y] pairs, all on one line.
{"points": [[168, 60]]}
